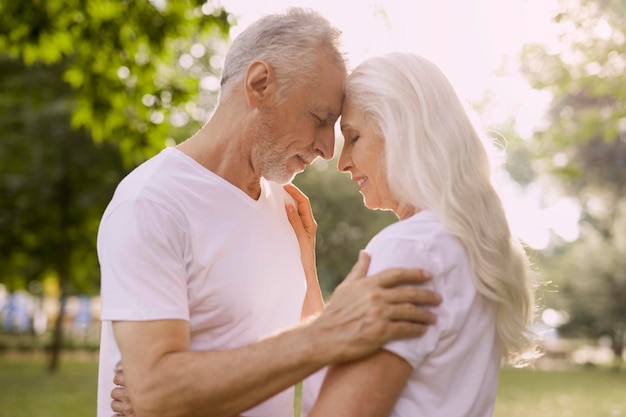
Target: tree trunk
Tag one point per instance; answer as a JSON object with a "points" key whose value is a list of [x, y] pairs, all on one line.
{"points": [[57, 338], [63, 258]]}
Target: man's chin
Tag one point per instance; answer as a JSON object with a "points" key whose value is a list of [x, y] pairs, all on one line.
{"points": [[286, 178]]}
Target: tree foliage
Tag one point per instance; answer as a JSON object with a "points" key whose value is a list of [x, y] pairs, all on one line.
{"points": [[585, 74], [584, 147], [55, 184], [55, 180], [90, 88], [129, 62]]}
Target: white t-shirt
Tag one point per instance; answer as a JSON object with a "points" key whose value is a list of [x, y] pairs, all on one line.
{"points": [[179, 242], [456, 362]]}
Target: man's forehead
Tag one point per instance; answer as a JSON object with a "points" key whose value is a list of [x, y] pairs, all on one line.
{"points": [[332, 110], [328, 87]]}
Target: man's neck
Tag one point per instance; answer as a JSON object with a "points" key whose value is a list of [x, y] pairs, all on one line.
{"points": [[222, 150]]}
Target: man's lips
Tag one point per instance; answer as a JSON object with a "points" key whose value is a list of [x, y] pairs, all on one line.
{"points": [[305, 160]]}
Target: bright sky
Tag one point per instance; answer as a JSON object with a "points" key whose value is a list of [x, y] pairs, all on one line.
{"points": [[469, 40]]}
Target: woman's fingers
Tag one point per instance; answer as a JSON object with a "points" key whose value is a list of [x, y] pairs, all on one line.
{"points": [[303, 205]]}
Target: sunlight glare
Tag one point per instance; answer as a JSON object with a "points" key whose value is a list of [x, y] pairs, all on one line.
{"points": [[535, 219]]}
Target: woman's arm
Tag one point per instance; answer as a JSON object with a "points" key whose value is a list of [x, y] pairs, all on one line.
{"points": [[364, 388], [301, 218]]}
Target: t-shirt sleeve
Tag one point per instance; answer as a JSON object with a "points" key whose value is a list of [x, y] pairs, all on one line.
{"points": [[407, 253], [141, 252]]}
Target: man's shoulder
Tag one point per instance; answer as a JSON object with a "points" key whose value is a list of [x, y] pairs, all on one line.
{"points": [[156, 179]]}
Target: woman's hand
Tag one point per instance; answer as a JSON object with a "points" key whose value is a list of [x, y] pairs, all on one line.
{"points": [[301, 218]]}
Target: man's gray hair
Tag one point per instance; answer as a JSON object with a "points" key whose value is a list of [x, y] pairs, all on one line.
{"points": [[289, 42]]}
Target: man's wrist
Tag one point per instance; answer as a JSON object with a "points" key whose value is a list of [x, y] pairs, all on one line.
{"points": [[317, 350]]}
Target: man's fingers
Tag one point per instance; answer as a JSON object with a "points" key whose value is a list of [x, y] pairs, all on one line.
{"points": [[405, 330], [120, 408], [411, 294], [359, 269], [116, 406], [119, 394], [119, 378], [121, 402], [411, 313], [396, 276]]}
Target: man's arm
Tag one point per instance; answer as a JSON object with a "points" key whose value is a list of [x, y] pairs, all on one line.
{"points": [[164, 376], [166, 379]]}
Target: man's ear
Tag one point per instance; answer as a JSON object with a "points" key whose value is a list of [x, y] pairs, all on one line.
{"points": [[258, 82]]}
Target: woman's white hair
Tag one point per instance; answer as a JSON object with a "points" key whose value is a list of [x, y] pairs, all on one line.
{"points": [[290, 42], [436, 160]]}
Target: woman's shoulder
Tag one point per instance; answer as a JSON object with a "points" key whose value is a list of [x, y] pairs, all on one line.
{"points": [[422, 226], [421, 234]]}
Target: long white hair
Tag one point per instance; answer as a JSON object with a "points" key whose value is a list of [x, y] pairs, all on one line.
{"points": [[436, 160]]}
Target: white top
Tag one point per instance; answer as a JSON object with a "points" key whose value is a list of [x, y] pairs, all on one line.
{"points": [[179, 242], [456, 362]]}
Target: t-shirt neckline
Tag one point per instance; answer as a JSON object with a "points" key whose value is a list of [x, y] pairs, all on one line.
{"points": [[202, 170]]}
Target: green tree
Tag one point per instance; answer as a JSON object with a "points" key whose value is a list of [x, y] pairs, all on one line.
{"points": [[131, 63], [87, 84], [583, 146], [55, 184]]}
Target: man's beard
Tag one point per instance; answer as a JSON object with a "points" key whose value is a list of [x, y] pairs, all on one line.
{"points": [[273, 167], [270, 158]]}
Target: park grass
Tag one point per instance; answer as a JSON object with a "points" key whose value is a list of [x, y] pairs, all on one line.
{"points": [[585, 392], [28, 390]]}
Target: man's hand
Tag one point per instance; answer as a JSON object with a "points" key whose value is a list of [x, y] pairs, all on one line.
{"points": [[121, 401], [365, 313]]}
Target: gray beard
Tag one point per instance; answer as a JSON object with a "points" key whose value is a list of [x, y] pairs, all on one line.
{"points": [[271, 161]]}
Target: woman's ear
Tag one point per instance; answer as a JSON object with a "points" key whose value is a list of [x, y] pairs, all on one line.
{"points": [[258, 81]]}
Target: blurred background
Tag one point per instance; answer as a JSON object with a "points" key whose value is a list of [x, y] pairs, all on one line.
{"points": [[89, 89]]}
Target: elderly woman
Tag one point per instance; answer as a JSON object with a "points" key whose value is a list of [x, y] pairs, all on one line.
{"points": [[411, 148]]}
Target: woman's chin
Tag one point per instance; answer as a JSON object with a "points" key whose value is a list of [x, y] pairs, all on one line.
{"points": [[370, 204], [375, 205]]}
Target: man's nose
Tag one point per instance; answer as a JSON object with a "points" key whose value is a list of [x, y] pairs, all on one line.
{"points": [[325, 143]]}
